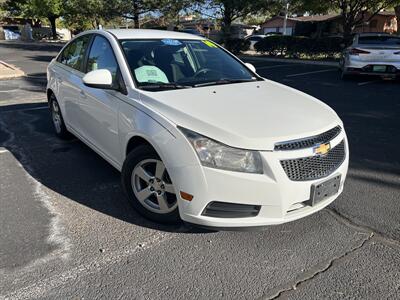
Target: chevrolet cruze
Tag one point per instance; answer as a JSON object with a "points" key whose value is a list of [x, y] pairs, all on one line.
{"points": [[197, 135]]}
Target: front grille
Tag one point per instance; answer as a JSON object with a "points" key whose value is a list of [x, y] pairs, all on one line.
{"points": [[315, 167], [310, 141]]}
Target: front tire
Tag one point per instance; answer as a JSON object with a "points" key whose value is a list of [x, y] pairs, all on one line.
{"points": [[57, 118], [148, 186]]}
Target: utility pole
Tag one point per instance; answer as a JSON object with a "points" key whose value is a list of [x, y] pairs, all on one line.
{"points": [[286, 17]]}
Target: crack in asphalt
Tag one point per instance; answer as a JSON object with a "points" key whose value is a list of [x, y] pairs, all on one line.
{"points": [[317, 270], [324, 267], [350, 223]]}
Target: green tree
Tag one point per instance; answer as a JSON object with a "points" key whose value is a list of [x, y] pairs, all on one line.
{"points": [[231, 10], [84, 14], [296, 7], [172, 9], [50, 9], [131, 9], [353, 12]]}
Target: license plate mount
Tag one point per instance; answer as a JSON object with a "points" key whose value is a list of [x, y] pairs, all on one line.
{"points": [[325, 189]]}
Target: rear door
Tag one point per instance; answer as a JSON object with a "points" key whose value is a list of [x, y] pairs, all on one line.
{"points": [[69, 73]]}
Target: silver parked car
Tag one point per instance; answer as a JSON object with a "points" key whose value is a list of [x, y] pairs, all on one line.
{"points": [[372, 54]]}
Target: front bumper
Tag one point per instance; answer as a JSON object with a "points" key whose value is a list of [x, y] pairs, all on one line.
{"points": [[280, 199]]}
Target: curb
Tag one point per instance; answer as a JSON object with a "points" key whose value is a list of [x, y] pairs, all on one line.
{"points": [[292, 61], [12, 72], [35, 42]]}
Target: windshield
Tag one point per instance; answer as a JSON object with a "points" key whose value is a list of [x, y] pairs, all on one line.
{"points": [[379, 40], [171, 64]]}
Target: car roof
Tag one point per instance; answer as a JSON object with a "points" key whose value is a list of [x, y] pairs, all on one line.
{"points": [[125, 34]]}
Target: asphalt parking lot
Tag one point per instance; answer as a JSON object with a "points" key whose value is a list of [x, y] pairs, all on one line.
{"points": [[66, 230]]}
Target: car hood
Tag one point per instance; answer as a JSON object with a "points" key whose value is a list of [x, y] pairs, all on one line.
{"points": [[253, 115]]}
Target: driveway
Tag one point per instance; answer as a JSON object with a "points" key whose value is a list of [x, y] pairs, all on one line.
{"points": [[66, 230]]}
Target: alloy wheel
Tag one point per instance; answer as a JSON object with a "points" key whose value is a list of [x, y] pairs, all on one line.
{"points": [[152, 186]]}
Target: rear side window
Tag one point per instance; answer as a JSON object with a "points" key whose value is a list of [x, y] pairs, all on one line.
{"points": [[379, 40], [74, 54], [101, 56]]}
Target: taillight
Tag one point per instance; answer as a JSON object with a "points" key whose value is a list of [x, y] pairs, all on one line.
{"points": [[356, 51]]}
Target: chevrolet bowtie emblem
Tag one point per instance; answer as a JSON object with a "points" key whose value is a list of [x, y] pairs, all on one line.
{"points": [[322, 149]]}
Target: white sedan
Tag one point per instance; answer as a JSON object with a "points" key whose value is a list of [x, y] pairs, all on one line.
{"points": [[197, 135], [372, 54]]}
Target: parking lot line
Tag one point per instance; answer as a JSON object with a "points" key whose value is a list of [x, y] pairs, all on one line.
{"points": [[312, 72], [368, 82], [89, 268], [273, 67]]}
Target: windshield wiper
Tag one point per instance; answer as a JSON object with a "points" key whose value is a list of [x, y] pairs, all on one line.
{"points": [[164, 86], [224, 81]]}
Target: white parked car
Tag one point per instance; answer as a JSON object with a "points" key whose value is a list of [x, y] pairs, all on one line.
{"points": [[196, 133], [372, 54]]}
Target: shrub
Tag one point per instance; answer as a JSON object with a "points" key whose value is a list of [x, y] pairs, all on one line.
{"points": [[237, 45], [295, 46]]}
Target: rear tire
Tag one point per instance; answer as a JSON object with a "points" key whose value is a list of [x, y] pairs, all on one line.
{"points": [[58, 120], [148, 187]]}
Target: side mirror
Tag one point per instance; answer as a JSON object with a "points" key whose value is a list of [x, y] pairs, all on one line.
{"points": [[251, 67], [99, 79]]}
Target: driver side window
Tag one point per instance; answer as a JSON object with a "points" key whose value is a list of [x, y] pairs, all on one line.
{"points": [[101, 56]]}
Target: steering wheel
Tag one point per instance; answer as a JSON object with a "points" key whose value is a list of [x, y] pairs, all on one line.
{"points": [[202, 72]]}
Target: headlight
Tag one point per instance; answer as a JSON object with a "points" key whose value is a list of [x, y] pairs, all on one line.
{"points": [[216, 155]]}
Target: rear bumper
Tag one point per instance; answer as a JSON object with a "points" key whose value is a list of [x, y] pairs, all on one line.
{"points": [[277, 198], [354, 66]]}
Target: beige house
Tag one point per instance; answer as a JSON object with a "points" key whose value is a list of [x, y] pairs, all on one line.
{"points": [[325, 25]]}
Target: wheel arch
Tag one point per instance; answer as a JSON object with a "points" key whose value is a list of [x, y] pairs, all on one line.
{"points": [[49, 92], [136, 141], [159, 145]]}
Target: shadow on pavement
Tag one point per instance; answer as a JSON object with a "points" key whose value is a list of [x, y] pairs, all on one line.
{"points": [[45, 58], [69, 168], [34, 46]]}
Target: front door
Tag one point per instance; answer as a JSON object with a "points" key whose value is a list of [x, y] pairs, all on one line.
{"points": [[99, 107]]}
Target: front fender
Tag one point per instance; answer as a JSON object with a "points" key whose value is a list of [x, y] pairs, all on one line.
{"points": [[168, 141]]}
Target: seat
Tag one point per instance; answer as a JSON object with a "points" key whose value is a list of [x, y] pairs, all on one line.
{"points": [[134, 57], [164, 59]]}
